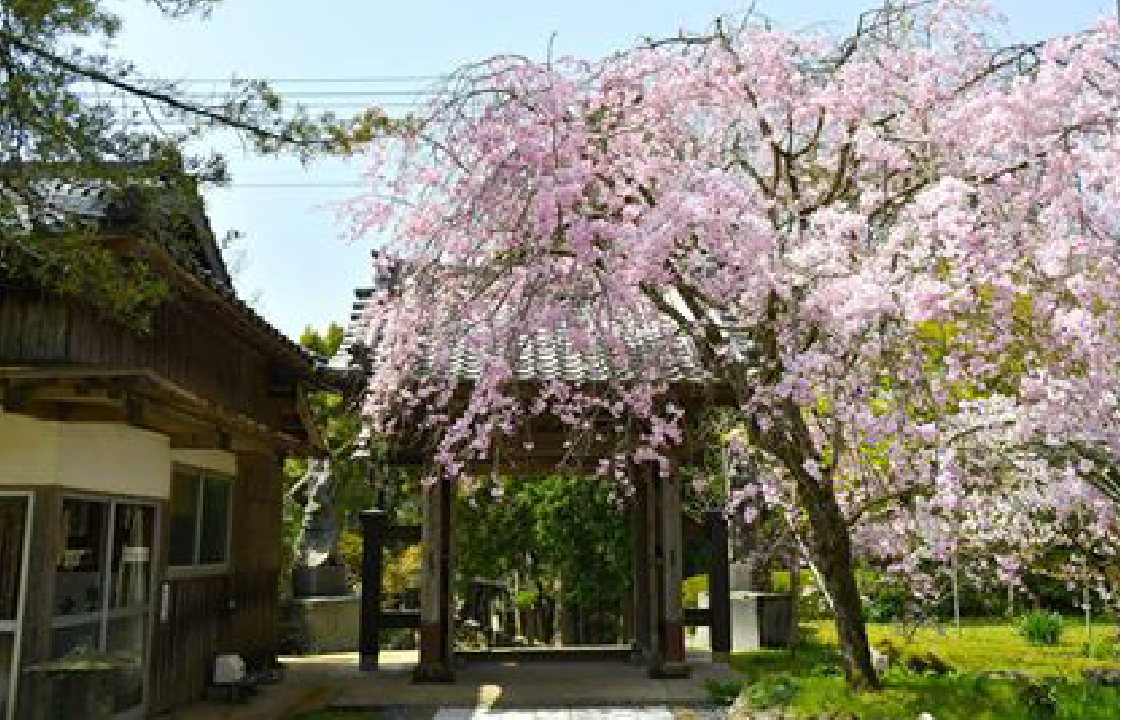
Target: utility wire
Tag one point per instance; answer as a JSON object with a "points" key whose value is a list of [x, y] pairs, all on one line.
{"points": [[376, 79], [298, 93]]}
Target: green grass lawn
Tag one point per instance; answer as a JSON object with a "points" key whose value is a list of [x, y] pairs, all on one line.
{"points": [[960, 697], [981, 646], [989, 645]]}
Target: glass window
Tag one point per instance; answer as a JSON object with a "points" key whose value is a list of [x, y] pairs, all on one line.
{"points": [[13, 527], [79, 567], [181, 533], [131, 553], [215, 520], [13, 520], [200, 518]]}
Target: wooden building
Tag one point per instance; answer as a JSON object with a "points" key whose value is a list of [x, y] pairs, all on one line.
{"points": [[140, 475]]}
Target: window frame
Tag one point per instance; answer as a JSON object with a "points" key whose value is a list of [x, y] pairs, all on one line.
{"points": [[16, 628], [195, 568]]}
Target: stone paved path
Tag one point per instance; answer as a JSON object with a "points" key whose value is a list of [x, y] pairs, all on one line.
{"points": [[654, 712], [642, 713]]}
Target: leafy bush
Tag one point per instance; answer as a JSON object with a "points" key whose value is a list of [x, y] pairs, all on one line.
{"points": [[883, 606], [927, 662], [1042, 628], [348, 549], [812, 604], [771, 691], [890, 650], [1039, 698], [692, 587], [827, 670], [1105, 648], [525, 599], [723, 692]]}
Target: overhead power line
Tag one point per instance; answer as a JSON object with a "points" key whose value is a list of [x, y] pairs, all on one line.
{"points": [[335, 80], [298, 93]]}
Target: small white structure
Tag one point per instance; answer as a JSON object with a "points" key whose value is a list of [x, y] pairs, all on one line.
{"points": [[747, 618], [228, 669]]}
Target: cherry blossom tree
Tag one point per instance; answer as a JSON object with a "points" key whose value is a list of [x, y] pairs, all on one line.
{"points": [[807, 214]]}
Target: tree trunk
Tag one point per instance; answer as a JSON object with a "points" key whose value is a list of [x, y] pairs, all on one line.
{"points": [[794, 565], [833, 553]]}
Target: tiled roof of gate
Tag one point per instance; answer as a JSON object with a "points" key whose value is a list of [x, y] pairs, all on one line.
{"points": [[657, 350]]}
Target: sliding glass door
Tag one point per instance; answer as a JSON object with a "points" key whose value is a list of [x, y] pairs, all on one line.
{"points": [[15, 513], [103, 589]]}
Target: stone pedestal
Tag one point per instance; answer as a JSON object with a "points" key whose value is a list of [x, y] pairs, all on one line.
{"points": [[320, 581], [327, 624]]}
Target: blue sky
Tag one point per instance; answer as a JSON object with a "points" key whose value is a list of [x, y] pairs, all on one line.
{"points": [[297, 263]]}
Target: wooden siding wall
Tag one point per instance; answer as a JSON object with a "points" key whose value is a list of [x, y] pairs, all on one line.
{"points": [[186, 345], [256, 555], [235, 612], [184, 647]]}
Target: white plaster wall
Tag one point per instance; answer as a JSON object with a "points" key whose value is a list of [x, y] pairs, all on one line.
{"points": [[102, 457], [28, 450], [216, 460]]}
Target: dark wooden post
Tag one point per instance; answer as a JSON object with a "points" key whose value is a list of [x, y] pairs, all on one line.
{"points": [[373, 542], [640, 572], [435, 655], [671, 655], [720, 627], [653, 546]]}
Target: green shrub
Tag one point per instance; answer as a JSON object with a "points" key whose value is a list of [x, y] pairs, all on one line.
{"points": [[890, 650], [723, 692], [771, 691], [812, 605], [525, 599], [1105, 648], [927, 662], [348, 549], [1042, 628], [692, 587], [1039, 698]]}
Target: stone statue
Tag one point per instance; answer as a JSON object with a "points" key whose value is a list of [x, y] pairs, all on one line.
{"points": [[319, 529]]}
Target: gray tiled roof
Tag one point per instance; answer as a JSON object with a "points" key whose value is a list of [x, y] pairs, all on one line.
{"points": [[657, 350]]}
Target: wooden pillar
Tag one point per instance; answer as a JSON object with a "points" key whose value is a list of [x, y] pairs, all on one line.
{"points": [[653, 588], [435, 661], [671, 625], [33, 691], [720, 628], [640, 572], [373, 542]]}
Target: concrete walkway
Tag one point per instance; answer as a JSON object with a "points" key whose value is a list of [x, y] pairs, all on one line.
{"points": [[506, 689]]}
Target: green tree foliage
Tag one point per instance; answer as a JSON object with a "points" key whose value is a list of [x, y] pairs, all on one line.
{"points": [[337, 424], [88, 118], [568, 538]]}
